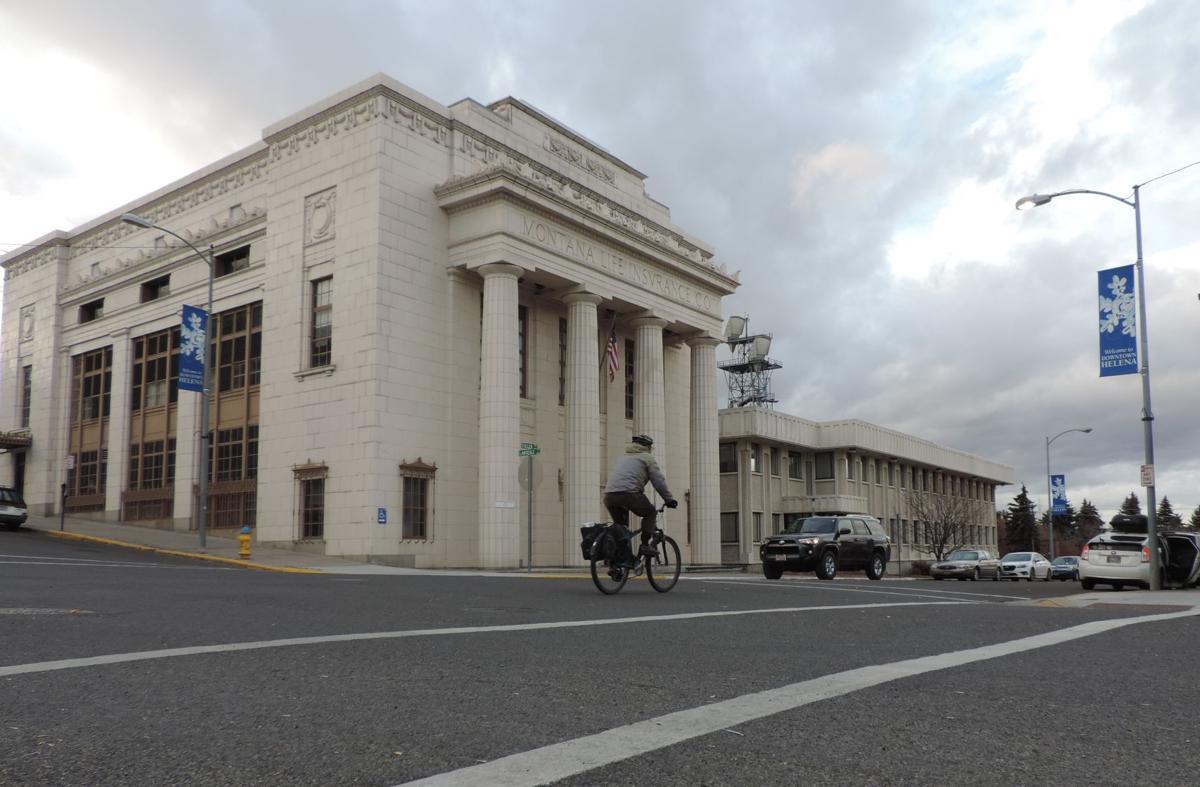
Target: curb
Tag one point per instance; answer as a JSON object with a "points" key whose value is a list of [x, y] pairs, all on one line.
{"points": [[179, 553]]}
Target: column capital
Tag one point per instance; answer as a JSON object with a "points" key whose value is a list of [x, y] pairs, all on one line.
{"points": [[500, 269], [581, 296], [702, 340], [644, 319]]}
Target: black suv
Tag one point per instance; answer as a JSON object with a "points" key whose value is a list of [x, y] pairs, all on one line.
{"points": [[825, 544]]}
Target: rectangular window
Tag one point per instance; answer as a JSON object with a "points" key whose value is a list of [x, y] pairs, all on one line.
{"points": [[562, 361], [877, 472], [776, 524], [755, 467], [850, 462], [891, 481], [903, 476], [312, 508], [776, 468], [229, 455], [794, 470], [629, 353], [232, 261], [523, 348], [26, 392], [156, 288], [155, 370], [824, 469], [729, 528], [236, 347], [727, 458], [92, 378], [758, 526], [321, 343], [415, 511], [91, 311], [89, 473]]}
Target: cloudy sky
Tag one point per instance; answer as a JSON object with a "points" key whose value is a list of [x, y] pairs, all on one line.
{"points": [[858, 161]]}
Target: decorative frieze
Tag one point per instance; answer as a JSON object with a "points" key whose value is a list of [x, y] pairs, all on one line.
{"points": [[320, 214], [371, 108], [31, 263], [576, 156]]}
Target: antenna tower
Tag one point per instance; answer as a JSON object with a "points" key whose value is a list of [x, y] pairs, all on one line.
{"points": [[748, 372]]}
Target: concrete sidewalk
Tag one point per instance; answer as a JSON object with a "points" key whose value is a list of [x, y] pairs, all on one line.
{"points": [[220, 549]]}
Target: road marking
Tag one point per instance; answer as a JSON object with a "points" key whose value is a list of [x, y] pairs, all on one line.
{"points": [[826, 586], [572, 757], [98, 564], [148, 655]]}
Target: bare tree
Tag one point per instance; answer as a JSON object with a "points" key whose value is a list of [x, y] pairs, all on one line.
{"points": [[944, 520]]}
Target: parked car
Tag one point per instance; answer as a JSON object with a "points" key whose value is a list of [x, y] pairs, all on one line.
{"points": [[12, 508], [1065, 567], [827, 544], [973, 564], [1120, 556], [1024, 565]]}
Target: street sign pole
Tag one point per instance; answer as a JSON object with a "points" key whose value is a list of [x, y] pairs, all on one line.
{"points": [[529, 515]]}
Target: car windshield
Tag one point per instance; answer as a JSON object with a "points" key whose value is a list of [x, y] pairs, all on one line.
{"points": [[963, 555], [9, 496], [1064, 561], [1018, 557], [813, 524]]}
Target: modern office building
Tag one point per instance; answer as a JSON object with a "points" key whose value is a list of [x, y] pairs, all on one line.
{"points": [[405, 294], [776, 467]]}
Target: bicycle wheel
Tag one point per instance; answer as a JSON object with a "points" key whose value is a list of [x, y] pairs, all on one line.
{"points": [[608, 573], [662, 568]]}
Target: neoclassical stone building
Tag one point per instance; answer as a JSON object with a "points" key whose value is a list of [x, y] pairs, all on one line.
{"points": [[775, 467], [405, 292]]}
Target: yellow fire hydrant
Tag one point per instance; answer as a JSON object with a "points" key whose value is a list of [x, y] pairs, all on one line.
{"points": [[244, 542]]}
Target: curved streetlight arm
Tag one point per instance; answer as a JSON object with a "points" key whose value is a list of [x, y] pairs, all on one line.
{"points": [[1049, 492], [1041, 199], [1085, 430], [138, 221]]}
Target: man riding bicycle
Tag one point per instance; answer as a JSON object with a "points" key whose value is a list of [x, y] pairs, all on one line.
{"points": [[624, 493]]}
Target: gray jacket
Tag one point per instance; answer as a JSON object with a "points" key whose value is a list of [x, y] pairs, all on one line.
{"points": [[634, 469]]}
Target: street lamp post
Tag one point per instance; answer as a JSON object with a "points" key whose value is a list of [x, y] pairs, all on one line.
{"points": [[1037, 200], [1049, 495], [205, 437]]}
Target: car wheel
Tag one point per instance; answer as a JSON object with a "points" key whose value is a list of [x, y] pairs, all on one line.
{"points": [[772, 572], [996, 577], [1030, 577], [827, 567], [1088, 584], [975, 576], [1047, 577], [935, 579], [876, 567]]}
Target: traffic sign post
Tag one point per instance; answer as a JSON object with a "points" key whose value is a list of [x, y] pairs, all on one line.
{"points": [[529, 450]]}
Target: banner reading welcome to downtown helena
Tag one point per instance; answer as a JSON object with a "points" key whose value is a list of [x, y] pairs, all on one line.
{"points": [[1118, 322], [193, 340]]}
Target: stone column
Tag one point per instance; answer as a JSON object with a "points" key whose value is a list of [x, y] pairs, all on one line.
{"points": [[118, 426], [499, 419], [582, 441], [187, 454], [649, 394], [704, 478]]}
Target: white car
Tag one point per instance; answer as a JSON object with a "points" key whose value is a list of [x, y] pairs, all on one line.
{"points": [[1024, 565], [1115, 559]]}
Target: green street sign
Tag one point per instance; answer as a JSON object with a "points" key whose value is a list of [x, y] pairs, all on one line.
{"points": [[532, 450], [528, 446]]}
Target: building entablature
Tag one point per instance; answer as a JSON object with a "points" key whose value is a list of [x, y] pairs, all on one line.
{"points": [[854, 435]]}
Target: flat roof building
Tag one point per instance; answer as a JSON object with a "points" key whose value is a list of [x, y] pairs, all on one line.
{"points": [[405, 293], [776, 468]]}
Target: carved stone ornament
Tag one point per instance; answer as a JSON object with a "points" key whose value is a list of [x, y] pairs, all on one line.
{"points": [[27, 323], [320, 214]]}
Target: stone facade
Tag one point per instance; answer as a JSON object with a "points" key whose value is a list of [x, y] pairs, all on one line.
{"points": [[776, 467], [405, 292]]}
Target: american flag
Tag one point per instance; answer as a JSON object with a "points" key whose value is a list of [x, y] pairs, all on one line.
{"points": [[614, 359]]}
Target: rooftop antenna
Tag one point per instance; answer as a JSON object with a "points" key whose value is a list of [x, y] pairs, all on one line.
{"points": [[748, 372]]}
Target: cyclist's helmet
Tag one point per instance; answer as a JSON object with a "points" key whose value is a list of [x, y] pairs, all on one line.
{"points": [[644, 439]]}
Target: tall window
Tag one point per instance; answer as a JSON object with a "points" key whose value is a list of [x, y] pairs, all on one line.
{"points": [[727, 458], [321, 344], [416, 487], [824, 469], [758, 526], [230, 451], [776, 464], [155, 370], [237, 347], [729, 528], [755, 467], [152, 464], [93, 378], [629, 352], [562, 361], [312, 508], [794, 465], [26, 391], [523, 348]]}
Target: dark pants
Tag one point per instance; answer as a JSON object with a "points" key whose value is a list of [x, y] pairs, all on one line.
{"points": [[622, 504]]}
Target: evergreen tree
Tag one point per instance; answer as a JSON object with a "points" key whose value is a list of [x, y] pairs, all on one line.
{"points": [[1195, 520], [1021, 533], [1167, 518], [1087, 523], [1131, 505]]}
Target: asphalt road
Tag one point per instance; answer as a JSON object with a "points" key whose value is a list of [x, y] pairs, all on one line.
{"points": [[120, 667]]}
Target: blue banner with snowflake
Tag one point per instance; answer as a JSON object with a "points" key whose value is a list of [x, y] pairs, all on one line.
{"points": [[1058, 493], [1118, 322], [193, 340]]}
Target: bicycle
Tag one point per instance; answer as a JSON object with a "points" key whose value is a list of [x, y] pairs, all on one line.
{"points": [[612, 565]]}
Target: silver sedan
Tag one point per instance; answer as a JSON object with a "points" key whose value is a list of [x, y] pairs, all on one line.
{"points": [[973, 564]]}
